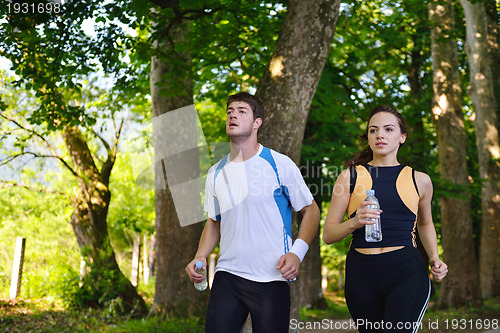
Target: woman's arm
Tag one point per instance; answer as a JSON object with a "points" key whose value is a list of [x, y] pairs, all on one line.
{"points": [[425, 226], [334, 230]]}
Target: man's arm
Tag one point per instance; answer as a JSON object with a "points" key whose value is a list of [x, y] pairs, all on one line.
{"points": [[208, 241], [289, 263], [310, 222]]}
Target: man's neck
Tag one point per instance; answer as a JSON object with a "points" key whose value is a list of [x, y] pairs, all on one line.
{"points": [[242, 151]]}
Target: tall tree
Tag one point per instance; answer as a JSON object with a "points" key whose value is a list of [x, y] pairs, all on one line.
{"points": [[199, 47], [37, 43], [89, 221], [171, 83], [493, 17], [460, 286], [396, 62], [327, 143], [486, 123], [287, 89], [90, 201]]}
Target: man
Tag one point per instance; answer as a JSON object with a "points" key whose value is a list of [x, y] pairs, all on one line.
{"points": [[248, 197]]}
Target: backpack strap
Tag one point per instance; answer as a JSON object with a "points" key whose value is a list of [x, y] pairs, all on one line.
{"points": [[414, 181]]}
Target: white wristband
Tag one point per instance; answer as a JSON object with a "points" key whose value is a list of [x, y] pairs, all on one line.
{"points": [[300, 248]]}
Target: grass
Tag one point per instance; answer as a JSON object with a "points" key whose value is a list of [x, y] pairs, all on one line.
{"points": [[49, 315], [464, 320], [45, 315], [336, 309]]}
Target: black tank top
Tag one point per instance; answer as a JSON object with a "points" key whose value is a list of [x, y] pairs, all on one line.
{"points": [[397, 192]]}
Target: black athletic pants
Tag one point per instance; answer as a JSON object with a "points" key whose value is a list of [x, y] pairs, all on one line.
{"points": [[387, 292], [232, 298]]}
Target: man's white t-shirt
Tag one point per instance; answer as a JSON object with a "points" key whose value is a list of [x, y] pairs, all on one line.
{"points": [[247, 198]]}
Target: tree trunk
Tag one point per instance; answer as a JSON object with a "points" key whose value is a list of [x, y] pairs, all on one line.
{"points": [[419, 147], [287, 88], [105, 281], [172, 89], [419, 144], [310, 290], [488, 145], [494, 48], [460, 286]]}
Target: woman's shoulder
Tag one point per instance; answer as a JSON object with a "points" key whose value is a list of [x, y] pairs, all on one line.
{"points": [[422, 176], [423, 180], [345, 174]]}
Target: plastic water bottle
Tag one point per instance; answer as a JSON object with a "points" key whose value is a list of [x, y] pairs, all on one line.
{"points": [[373, 232], [199, 269]]}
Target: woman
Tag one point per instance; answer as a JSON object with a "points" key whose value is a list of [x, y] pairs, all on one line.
{"points": [[387, 285]]}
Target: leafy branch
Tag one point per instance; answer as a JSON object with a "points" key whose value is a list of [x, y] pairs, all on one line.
{"points": [[44, 141], [10, 184]]}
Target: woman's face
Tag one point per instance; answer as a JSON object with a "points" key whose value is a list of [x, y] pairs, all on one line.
{"points": [[384, 134]]}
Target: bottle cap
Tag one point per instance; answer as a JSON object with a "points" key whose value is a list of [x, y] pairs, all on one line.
{"points": [[370, 193], [199, 264]]}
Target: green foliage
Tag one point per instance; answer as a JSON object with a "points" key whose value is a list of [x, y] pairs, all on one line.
{"points": [[158, 325], [44, 315], [105, 288], [53, 269], [51, 254], [232, 44], [336, 308], [380, 55], [131, 214], [52, 55], [147, 291], [23, 140], [213, 121], [132, 185], [330, 135]]}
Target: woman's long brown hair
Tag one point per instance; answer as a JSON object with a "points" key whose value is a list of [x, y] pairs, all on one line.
{"points": [[366, 154]]}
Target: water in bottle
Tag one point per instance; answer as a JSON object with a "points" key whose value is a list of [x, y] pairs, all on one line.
{"points": [[199, 269], [373, 232]]}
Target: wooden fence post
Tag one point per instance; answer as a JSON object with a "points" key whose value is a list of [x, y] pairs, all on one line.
{"points": [[145, 260], [135, 260], [17, 268], [152, 255], [324, 278], [83, 268]]}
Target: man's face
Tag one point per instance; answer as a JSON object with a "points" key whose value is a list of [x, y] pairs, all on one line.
{"points": [[239, 120]]}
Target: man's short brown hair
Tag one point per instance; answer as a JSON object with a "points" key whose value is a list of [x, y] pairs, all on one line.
{"points": [[254, 102]]}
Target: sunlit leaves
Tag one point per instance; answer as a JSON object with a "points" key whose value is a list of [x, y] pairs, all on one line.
{"points": [[233, 46], [52, 55]]}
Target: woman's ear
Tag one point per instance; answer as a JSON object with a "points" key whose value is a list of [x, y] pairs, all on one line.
{"points": [[403, 138]]}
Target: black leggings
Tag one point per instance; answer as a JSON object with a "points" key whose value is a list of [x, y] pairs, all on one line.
{"points": [[233, 297], [387, 292]]}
